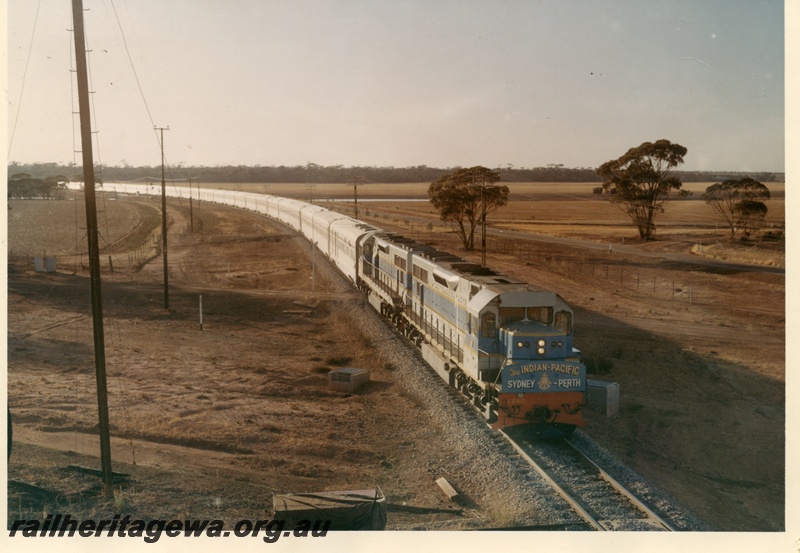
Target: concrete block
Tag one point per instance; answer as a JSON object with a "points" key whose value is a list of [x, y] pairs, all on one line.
{"points": [[347, 379]]}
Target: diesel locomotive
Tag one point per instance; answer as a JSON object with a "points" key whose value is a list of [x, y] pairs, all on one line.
{"points": [[505, 345]]}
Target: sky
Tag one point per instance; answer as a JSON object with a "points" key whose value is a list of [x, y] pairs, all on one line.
{"points": [[402, 83]]}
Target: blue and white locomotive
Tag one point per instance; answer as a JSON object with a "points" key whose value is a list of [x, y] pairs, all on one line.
{"points": [[506, 345]]}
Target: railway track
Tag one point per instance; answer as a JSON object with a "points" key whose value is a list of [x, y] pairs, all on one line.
{"points": [[603, 503]]}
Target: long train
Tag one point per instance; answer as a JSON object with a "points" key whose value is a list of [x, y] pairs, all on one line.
{"points": [[506, 345]]}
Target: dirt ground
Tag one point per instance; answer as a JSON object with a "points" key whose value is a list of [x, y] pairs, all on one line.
{"points": [[209, 423], [702, 378]]}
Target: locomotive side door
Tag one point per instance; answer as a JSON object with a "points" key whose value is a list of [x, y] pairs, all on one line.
{"points": [[366, 259]]}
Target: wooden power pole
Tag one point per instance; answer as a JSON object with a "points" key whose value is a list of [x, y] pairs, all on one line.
{"points": [[164, 219], [354, 182], [191, 215], [94, 249]]}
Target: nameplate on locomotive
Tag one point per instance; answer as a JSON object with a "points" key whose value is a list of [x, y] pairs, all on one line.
{"points": [[544, 376]]}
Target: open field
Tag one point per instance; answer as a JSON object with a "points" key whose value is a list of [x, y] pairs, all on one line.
{"points": [[702, 410], [58, 228], [559, 209]]}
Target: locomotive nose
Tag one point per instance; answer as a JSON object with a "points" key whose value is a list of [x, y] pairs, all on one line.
{"points": [[533, 344]]}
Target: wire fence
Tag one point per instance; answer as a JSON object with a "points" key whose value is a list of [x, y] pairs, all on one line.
{"points": [[677, 286], [603, 267], [114, 262]]}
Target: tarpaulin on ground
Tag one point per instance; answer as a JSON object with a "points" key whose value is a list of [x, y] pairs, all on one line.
{"points": [[347, 510]]}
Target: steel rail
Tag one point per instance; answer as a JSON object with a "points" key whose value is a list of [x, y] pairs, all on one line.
{"points": [[651, 515], [584, 514], [651, 519]]}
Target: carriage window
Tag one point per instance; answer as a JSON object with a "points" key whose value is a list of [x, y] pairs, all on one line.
{"points": [[564, 322], [511, 314], [540, 314], [488, 325]]}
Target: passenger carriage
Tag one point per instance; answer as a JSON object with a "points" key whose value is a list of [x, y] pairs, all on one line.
{"points": [[506, 345]]}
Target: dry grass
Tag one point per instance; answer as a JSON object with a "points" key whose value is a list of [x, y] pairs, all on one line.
{"points": [[562, 209], [752, 255], [58, 228]]}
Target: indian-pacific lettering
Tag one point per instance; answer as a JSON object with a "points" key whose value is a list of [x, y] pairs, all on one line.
{"points": [[555, 367]]}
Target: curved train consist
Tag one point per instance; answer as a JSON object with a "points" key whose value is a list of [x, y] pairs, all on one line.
{"points": [[506, 345]]}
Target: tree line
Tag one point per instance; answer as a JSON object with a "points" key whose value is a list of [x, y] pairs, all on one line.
{"points": [[22, 186], [638, 182], [312, 173]]}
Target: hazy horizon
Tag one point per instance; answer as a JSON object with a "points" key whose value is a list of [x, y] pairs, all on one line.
{"points": [[442, 84]]}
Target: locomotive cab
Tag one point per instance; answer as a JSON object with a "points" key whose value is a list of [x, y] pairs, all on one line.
{"points": [[542, 381]]}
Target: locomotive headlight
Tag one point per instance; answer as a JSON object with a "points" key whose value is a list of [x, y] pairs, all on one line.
{"points": [[519, 344], [541, 343], [541, 351]]}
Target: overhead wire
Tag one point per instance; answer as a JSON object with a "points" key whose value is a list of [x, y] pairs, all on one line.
{"points": [[95, 133], [133, 68], [122, 380], [24, 75], [78, 258]]}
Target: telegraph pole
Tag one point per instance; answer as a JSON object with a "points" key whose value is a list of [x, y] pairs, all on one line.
{"points": [[355, 199], [94, 249], [483, 224], [164, 219], [355, 182], [191, 216]]}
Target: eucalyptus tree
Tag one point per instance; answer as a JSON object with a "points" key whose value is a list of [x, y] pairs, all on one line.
{"points": [[465, 197], [639, 181], [740, 203]]}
